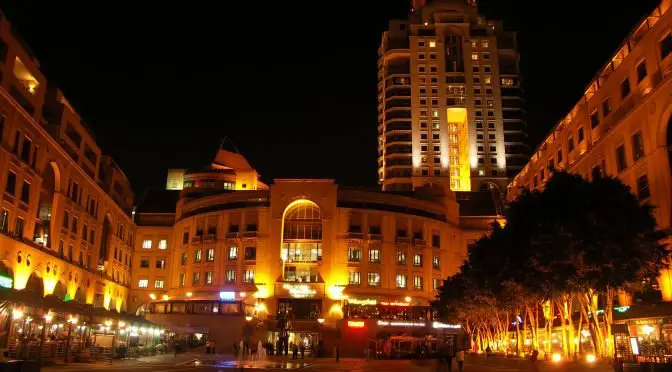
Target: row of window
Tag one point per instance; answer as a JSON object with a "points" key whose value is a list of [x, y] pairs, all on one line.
{"points": [[230, 277], [10, 188], [147, 244], [401, 280], [212, 230], [355, 255], [232, 254]]}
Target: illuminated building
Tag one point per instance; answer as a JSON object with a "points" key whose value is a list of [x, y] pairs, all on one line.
{"points": [[65, 223], [450, 106], [620, 126], [305, 249]]}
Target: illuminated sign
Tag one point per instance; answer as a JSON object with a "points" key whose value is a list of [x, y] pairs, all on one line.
{"points": [[175, 179], [443, 325], [384, 323], [395, 303], [362, 302], [356, 323], [634, 345], [300, 290], [5, 282], [227, 296]]}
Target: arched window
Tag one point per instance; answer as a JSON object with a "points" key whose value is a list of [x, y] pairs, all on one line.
{"points": [[302, 241]]}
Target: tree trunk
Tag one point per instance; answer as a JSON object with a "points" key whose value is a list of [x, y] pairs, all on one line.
{"points": [[608, 317]]}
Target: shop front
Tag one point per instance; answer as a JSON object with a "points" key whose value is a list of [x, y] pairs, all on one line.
{"points": [[643, 334]]}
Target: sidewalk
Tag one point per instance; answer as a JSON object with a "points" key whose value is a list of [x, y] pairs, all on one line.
{"points": [[541, 365]]}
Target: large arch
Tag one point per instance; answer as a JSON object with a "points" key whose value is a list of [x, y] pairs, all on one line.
{"points": [[301, 241]]}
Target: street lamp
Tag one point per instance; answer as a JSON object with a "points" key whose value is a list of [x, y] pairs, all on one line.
{"points": [[72, 320], [320, 322], [189, 294], [165, 297], [248, 318], [152, 296]]}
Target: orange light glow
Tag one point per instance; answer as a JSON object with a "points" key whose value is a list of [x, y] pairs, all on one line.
{"points": [[356, 323]]}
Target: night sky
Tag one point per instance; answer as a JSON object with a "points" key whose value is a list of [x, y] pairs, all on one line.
{"points": [[293, 84]]}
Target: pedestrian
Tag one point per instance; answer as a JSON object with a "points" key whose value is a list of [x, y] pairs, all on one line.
{"points": [[207, 347], [446, 353], [338, 354], [213, 347], [295, 351], [460, 359], [533, 359], [302, 349]]}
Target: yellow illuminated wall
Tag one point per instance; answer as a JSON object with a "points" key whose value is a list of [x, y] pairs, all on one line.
{"points": [[458, 149]]}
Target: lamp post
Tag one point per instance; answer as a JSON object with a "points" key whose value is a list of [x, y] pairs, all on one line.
{"points": [[320, 322], [72, 320]]}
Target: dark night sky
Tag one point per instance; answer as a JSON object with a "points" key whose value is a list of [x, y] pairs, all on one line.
{"points": [[292, 83]]}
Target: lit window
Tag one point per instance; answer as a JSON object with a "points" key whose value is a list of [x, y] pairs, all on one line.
{"points": [[195, 278], [417, 260], [637, 146], [163, 244], [158, 283], [354, 254], [432, 44], [437, 283], [248, 276], [233, 253], [210, 255], [147, 244], [182, 280], [481, 172], [436, 262], [143, 283], [230, 275], [374, 279], [208, 277], [353, 278], [474, 44], [25, 78], [417, 282], [507, 82], [401, 258], [401, 281], [435, 113], [487, 80], [485, 43], [474, 56], [374, 255], [197, 256]]}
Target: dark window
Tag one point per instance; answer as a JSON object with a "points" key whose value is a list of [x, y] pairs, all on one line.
{"points": [[18, 227], [597, 172], [3, 50], [559, 156], [25, 150], [72, 133], [17, 139], [625, 88], [641, 71], [580, 135], [594, 119], [666, 46], [11, 184], [436, 241], [637, 146], [144, 263], [25, 192], [606, 108], [66, 220], [160, 264], [570, 144], [185, 237], [621, 162], [250, 253], [643, 191]]}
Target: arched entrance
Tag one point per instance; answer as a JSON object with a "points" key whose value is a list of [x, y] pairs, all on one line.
{"points": [[35, 285], [50, 185]]}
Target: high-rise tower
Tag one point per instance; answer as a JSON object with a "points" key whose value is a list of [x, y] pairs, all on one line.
{"points": [[450, 106]]}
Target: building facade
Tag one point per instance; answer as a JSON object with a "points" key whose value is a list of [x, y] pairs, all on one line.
{"points": [[620, 127], [65, 223], [450, 102], [301, 249]]}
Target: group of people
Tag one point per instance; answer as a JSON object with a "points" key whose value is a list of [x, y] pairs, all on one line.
{"points": [[211, 347], [446, 352]]}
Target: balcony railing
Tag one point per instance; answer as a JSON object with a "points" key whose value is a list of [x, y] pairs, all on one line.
{"points": [[419, 243], [209, 238], [403, 240], [375, 238], [232, 235], [251, 235], [196, 240], [354, 236]]}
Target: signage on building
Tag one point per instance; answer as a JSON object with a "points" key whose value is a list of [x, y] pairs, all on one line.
{"points": [[175, 179], [395, 303], [385, 323], [227, 296], [5, 282], [362, 302], [443, 325], [300, 290], [356, 323]]}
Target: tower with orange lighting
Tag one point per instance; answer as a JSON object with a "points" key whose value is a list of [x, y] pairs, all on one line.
{"points": [[450, 106]]}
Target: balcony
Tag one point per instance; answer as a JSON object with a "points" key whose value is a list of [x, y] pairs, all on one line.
{"points": [[420, 243], [251, 235], [376, 238], [403, 240], [232, 235], [354, 237], [210, 238], [197, 239]]}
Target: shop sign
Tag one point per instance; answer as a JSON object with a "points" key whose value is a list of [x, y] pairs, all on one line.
{"points": [[362, 302], [300, 290], [395, 303], [648, 321], [385, 323], [443, 325], [5, 282], [227, 296], [356, 323]]}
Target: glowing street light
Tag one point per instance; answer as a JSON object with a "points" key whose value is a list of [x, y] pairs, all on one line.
{"points": [[556, 358], [48, 318], [320, 320], [590, 358], [17, 314], [152, 296], [248, 318], [165, 297], [189, 294], [407, 299]]}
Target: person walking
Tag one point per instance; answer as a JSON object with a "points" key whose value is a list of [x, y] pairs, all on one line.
{"points": [[213, 347], [460, 359], [295, 351], [302, 349], [207, 347], [446, 354]]}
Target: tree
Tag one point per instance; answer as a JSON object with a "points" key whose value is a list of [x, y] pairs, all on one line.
{"points": [[574, 240]]}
